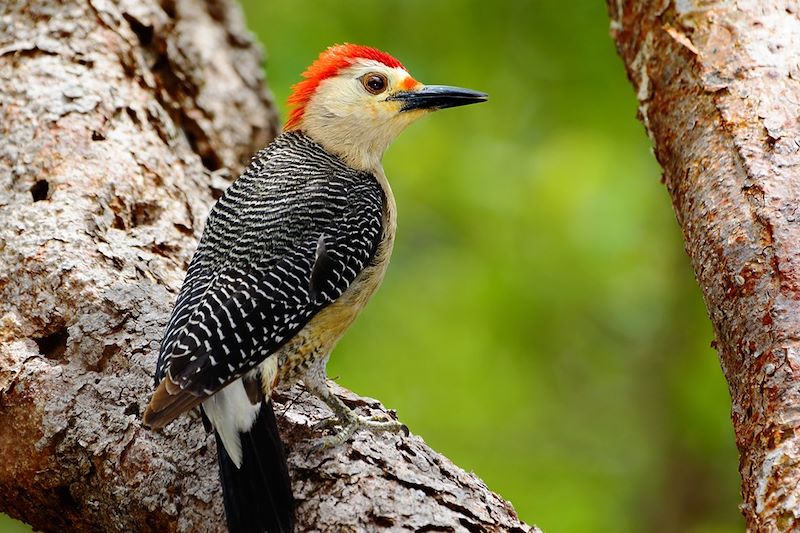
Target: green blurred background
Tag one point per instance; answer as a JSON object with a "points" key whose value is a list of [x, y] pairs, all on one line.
{"points": [[540, 324]]}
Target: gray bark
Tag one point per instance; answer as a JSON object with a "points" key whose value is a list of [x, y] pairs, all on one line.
{"points": [[718, 85], [120, 122]]}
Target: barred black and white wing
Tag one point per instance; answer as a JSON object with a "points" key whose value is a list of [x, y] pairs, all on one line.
{"points": [[285, 240]]}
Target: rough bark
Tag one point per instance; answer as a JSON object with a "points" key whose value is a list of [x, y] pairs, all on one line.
{"points": [[718, 85], [120, 123]]}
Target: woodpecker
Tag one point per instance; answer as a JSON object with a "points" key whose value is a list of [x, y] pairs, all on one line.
{"points": [[290, 254]]}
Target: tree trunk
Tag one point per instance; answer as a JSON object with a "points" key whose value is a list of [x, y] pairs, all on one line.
{"points": [[121, 122], [718, 85]]}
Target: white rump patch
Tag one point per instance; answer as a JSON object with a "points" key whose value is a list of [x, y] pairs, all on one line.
{"points": [[231, 413]]}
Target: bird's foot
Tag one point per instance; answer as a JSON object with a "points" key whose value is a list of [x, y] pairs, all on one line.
{"points": [[344, 417], [350, 424]]}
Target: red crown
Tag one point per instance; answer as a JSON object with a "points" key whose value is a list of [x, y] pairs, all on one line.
{"points": [[328, 64]]}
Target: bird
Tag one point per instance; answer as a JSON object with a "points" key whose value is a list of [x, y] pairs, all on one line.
{"points": [[289, 256]]}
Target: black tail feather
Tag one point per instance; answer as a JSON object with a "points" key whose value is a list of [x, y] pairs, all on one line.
{"points": [[258, 496]]}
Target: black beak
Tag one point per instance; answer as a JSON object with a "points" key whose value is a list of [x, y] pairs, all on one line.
{"points": [[437, 97]]}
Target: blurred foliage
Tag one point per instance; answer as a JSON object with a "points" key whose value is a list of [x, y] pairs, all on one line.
{"points": [[9, 525], [540, 323]]}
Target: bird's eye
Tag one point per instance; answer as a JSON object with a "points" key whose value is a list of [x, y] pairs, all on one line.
{"points": [[374, 82]]}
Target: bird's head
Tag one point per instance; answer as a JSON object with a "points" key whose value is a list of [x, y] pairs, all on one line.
{"points": [[354, 100]]}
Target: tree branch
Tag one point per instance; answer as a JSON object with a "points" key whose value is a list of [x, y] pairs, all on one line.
{"points": [[121, 122], [718, 94]]}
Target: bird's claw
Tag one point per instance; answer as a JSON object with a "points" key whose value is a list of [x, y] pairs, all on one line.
{"points": [[325, 423], [380, 424], [353, 423]]}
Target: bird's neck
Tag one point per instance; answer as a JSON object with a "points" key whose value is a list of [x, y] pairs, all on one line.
{"points": [[357, 149], [345, 134]]}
